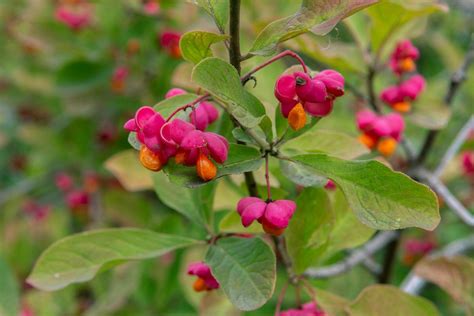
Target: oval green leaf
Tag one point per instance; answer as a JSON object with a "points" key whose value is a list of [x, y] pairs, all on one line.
{"points": [[78, 258], [245, 269], [380, 197], [317, 16]]}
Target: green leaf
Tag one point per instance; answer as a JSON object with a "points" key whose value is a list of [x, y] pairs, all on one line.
{"points": [[78, 76], [318, 141], [218, 9], [126, 167], [168, 106], [388, 300], [317, 16], [347, 231], [195, 204], [241, 136], [78, 258], [301, 174], [307, 236], [429, 111], [330, 303], [454, 275], [221, 80], [196, 45], [245, 269], [9, 292], [123, 284], [380, 197], [323, 141], [231, 223], [433, 116], [391, 15], [241, 158], [267, 129], [345, 57]]}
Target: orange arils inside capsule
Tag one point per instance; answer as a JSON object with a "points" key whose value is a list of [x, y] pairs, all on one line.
{"points": [[387, 146], [149, 159], [297, 117], [272, 230], [402, 107], [180, 157], [407, 65], [367, 140], [205, 168], [199, 285]]}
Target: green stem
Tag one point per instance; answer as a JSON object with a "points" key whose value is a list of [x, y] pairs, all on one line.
{"points": [[234, 59]]}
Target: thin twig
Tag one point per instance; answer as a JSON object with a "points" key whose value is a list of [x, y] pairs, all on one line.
{"points": [[413, 283], [372, 266], [456, 81], [355, 258], [455, 145], [448, 198]]}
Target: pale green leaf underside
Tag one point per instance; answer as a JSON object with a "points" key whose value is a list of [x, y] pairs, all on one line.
{"points": [[196, 45], [188, 202], [333, 143], [454, 275], [222, 81], [347, 231], [307, 236], [245, 269], [388, 300], [128, 170], [317, 16], [78, 258], [218, 10], [318, 141], [379, 197]]}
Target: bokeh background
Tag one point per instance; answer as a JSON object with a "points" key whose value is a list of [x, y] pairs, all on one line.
{"points": [[66, 90]]}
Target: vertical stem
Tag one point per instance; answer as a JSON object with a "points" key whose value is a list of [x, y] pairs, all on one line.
{"points": [[267, 179], [234, 30], [234, 59], [389, 260], [371, 89]]}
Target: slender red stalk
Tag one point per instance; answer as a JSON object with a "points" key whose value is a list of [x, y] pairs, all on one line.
{"points": [[280, 299], [188, 105], [275, 58], [245, 78]]}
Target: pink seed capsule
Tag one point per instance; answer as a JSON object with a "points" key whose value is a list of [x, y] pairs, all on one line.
{"points": [[285, 88], [318, 109]]}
